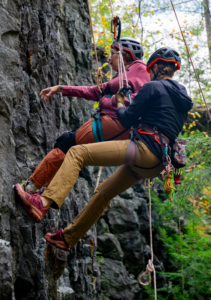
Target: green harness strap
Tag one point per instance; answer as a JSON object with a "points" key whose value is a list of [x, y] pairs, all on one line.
{"points": [[97, 129]]}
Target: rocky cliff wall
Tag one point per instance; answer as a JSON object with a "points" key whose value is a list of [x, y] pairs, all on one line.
{"points": [[44, 43]]}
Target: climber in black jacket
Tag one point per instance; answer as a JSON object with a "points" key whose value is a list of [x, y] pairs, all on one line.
{"points": [[157, 114], [163, 104]]}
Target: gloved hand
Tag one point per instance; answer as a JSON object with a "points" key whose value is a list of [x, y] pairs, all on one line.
{"points": [[120, 96]]}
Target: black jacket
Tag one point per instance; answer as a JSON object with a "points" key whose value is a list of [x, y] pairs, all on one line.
{"points": [[163, 104]]}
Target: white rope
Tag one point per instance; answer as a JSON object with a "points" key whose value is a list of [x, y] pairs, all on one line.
{"points": [[150, 266], [123, 65], [121, 68], [120, 71], [98, 177]]}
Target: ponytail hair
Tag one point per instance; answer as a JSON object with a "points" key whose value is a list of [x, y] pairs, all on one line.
{"points": [[165, 69]]}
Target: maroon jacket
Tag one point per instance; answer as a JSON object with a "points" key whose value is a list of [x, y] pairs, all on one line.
{"points": [[137, 77]]}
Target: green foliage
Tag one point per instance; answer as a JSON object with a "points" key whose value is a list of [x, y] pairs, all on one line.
{"points": [[104, 282], [100, 259], [184, 225]]}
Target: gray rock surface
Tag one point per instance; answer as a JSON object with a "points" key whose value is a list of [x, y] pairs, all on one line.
{"points": [[66, 293], [116, 281], [122, 216], [109, 245], [6, 271], [43, 43], [102, 227]]}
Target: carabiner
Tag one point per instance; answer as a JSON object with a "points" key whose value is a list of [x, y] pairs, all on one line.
{"points": [[116, 24]]}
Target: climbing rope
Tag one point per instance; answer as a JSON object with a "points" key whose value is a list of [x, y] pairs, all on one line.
{"points": [[150, 266], [99, 76], [98, 177], [190, 59], [121, 68]]}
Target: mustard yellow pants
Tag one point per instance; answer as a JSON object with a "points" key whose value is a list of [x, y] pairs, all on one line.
{"points": [[111, 153]]}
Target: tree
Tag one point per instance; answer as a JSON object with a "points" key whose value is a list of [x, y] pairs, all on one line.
{"points": [[208, 25]]}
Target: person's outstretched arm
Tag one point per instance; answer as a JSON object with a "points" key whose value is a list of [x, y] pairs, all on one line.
{"points": [[86, 92]]}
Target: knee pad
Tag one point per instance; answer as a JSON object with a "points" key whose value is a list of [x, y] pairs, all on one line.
{"points": [[65, 141]]}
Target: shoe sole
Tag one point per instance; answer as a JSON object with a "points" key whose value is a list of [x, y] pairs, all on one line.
{"points": [[59, 244], [34, 214]]}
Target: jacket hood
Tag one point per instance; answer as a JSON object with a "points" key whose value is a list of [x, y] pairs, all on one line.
{"points": [[179, 95], [137, 62]]}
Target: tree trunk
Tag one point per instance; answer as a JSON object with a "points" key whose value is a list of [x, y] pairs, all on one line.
{"points": [[208, 25]]}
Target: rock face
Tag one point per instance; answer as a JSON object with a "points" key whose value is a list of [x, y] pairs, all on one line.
{"points": [[43, 43]]}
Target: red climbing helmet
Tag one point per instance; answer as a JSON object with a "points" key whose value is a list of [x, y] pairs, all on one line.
{"points": [[130, 45], [166, 54]]}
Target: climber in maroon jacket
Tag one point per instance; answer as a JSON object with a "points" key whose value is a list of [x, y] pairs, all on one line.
{"points": [[111, 129]]}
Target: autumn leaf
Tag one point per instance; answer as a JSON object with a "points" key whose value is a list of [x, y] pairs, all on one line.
{"points": [[195, 46], [104, 65], [145, 15]]}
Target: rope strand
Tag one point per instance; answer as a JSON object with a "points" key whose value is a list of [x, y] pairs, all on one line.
{"points": [[150, 266], [190, 59], [121, 68]]}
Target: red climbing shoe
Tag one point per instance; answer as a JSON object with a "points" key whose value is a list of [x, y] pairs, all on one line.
{"points": [[31, 203], [57, 239]]}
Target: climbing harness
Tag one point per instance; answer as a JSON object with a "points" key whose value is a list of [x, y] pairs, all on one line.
{"points": [[97, 129], [159, 138], [131, 154], [150, 266]]}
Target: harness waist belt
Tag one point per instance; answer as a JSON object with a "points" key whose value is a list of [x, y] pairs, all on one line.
{"points": [[145, 129], [132, 149]]}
